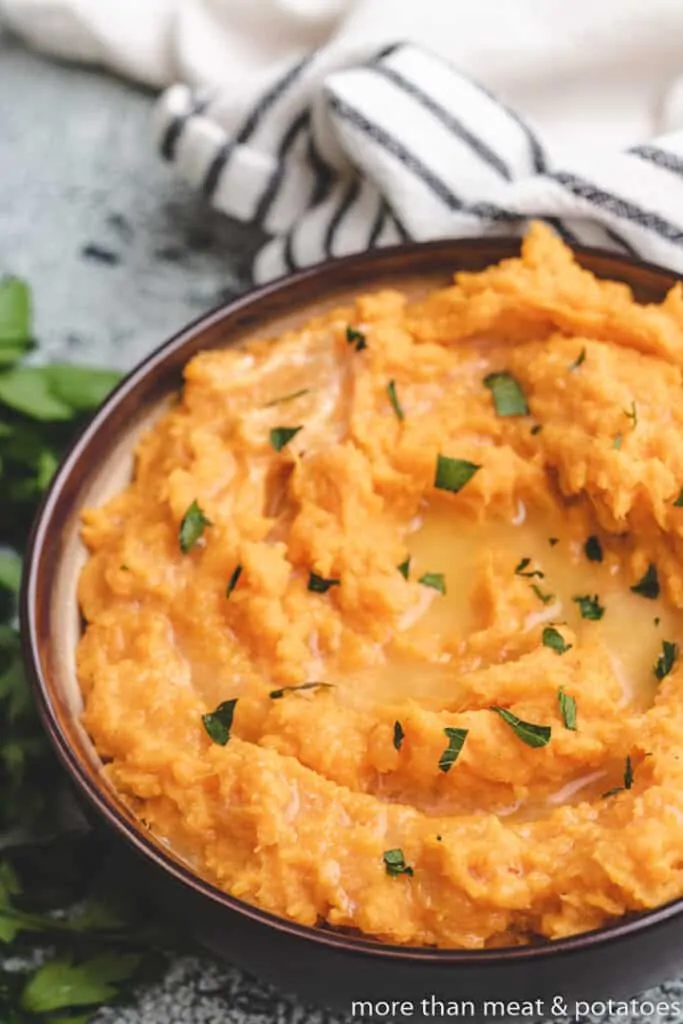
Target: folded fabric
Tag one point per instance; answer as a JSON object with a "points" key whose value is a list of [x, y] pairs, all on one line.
{"points": [[363, 142]]}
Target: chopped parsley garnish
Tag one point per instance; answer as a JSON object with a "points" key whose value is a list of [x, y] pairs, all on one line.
{"points": [[395, 863], [553, 639], [616, 443], [320, 585], [567, 709], [578, 361], [545, 598], [453, 474], [435, 580], [404, 568], [678, 503], [536, 429], [593, 549], [192, 527], [399, 735], [218, 723], [632, 415], [393, 398], [666, 660], [527, 732], [357, 338], [456, 741], [233, 581], [281, 436], [648, 586], [277, 694], [521, 570], [628, 780], [657, 620], [508, 396], [287, 398], [589, 607], [553, 541]]}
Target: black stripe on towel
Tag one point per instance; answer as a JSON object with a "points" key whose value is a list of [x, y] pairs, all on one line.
{"points": [[251, 123], [618, 240], [298, 125], [661, 157], [447, 119], [379, 222], [176, 126], [349, 198], [624, 209]]}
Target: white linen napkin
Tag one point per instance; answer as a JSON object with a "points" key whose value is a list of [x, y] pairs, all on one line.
{"points": [[309, 119]]}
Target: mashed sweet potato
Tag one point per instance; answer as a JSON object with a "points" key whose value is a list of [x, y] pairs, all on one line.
{"points": [[384, 632]]}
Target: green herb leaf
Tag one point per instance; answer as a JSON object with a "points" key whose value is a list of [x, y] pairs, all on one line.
{"points": [[320, 585], [628, 774], [678, 503], [527, 732], [15, 312], [545, 598], [399, 735], [613, 792], [287, 398], [393, 398], [648, 586], [616, 443], [589, 607], [536, 429], [192, 527], [553, 541], [395, 863], [404, 568], [580, 359], [10, 571], [278, 694], [60, 984], [218, 723], [233, 581], [508, 396], [281, 436], [27, 389], [456, 741], [666, 660], [567, 709], [357, 338], [435, 580], [522, 567], [593, 549], [83, 388], [453, 474], [632, 415], [553, 639]]}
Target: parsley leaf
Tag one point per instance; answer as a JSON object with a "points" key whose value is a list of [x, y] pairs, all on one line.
{"points": [[678, 503], [648, 585], [357, 338], [281, 436], [393, 398], [527, 732], [553, 639], [545, 598], [395, 863], [507, 393], [192, 527], [218, 723], [453, 474], [456, 741], [287, 398], [628, 780], [580, 359], [60, 984], [589, 607], [567, 709], [278, 694], [616, 443], [593, 549], [435, 580], [522, 567], [399, 735], [632, 415], [320, 585], [233, 581], [666, 660], [404, 568]]}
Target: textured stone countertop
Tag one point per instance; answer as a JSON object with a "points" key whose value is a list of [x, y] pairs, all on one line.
{"points": [[121, 255]]}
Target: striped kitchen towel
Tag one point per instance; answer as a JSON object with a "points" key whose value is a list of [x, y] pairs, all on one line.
{"points": [[401, 146]]}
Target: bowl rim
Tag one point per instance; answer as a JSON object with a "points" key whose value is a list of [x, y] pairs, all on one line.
{"points": [[97, 795]]}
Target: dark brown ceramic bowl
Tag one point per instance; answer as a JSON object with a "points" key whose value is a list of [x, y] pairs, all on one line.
{"points": [[322, 966]]}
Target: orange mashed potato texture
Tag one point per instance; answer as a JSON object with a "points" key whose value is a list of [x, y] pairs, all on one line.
{"points": [[397, 800]]}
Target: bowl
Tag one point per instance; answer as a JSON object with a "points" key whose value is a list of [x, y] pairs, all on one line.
{"points": [[330, 968]]}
